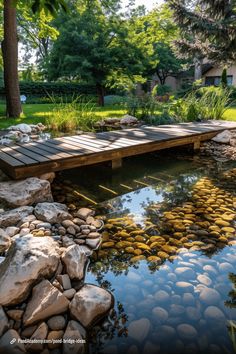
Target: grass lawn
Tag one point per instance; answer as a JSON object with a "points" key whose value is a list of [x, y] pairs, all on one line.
{"points": [[35, 113]]}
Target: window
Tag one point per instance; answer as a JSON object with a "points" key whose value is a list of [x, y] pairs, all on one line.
{"points": [[215, 80]]}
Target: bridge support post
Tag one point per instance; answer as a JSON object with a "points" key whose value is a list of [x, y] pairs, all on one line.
{"points": [[117, 163], [196, 145]]}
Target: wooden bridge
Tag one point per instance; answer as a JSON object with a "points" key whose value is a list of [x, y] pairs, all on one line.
{"points": [[36, 158]]}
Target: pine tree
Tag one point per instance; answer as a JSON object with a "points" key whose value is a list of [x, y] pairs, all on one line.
{"points": [[208, 27]]}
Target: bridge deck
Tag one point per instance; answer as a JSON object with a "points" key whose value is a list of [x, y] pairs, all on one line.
{"points": [[36, 158]]}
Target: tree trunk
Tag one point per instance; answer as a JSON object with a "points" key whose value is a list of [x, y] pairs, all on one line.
{"points": [[100, 93], [197, 69], [10, 60]]}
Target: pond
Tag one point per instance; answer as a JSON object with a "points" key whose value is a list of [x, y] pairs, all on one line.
{"points": [[168, 253]]}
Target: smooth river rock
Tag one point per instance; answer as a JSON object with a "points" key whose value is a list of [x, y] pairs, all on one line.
{"points": [[90, 304], [27, 192], [213, 313], [75, 260], [139, 329], [3, 322], [12, 217], [9, 343], [52, 212], [5, 241], [186, 331], [46, 301], [209, 296], [29, 259]]}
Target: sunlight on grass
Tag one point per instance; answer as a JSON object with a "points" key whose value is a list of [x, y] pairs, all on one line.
{"points": [[230, 114]]}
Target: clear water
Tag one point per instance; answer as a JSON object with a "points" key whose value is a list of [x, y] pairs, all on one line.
{"points": [[187, 302]]}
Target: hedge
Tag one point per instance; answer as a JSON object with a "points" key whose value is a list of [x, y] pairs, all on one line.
{"points": [[41, 89]]}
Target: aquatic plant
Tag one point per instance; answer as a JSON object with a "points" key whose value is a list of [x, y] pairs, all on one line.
{"points": [[69, 116]]}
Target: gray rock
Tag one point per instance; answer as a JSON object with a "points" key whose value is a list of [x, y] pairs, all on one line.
{"points": [[22, 127], [52, 212], [223, 137], [226, 267], [12, 217], [69, 293], [184, 286], [56, 323], [93, 243], [75, 261], [90, 304], [186, 331], [44, 225], [77, 334], [28, 259], [165, 333], [12, 231], [4, 325], [46, 301], [64, 280], [27, 192], [188, 299], [139, 329], [55, 338], [209, 296], [5, 241], [9, 343], [28, 331]]}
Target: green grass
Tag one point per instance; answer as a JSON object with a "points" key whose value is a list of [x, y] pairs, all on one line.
{"points": [[230, 114], [35, 113]]}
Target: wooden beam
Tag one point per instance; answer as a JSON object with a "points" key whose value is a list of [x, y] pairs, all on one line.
{"points": [[117, 163]]}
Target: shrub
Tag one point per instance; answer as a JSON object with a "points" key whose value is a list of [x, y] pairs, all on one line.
{"points": [[160, 90], [204, 103], [67, 117], [142, 107]]}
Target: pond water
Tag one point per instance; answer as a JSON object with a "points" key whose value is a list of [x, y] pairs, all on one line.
{"points": [[168, 253]]}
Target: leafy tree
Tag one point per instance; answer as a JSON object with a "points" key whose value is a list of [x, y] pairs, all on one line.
{"points": [[10, 46], [168, 64], [208, 27], [98, 45]]}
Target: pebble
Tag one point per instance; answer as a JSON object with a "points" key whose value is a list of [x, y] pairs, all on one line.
{"points": [[210, 269], [214, 313], [160, 314], [134, 277], [139, 329], [64, 280], [204, 279], [188, 299], [186, 331], [226, 267], [209, 296], [55, 337], [176, 310], [56, 323], [185, 273], [164, 333], [45, 225], [162, 296], [69, 293], [193, 313], [184, 286]]}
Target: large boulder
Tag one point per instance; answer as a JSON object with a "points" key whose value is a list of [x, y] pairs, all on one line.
{"points": [[52, 212], [128, 120], [223, 137], [75, 260], [90, 304], [28, 260], [12, 217], [27, 192], [46, 301], [74, 339]]}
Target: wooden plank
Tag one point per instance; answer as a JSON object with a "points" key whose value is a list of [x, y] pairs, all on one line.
{"points": [[46, 154], [10, 160], [12, 151]]}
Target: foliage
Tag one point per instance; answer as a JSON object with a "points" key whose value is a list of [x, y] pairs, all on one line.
{"points": [[160, 90], [142, 107], [208, 27], [204, 103], [67, 117], [224, 82]]}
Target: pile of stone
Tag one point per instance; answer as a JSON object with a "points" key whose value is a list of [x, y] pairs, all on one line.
{"points": [[119, 123], [23, 133], [44, 253], [222, 147]]}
